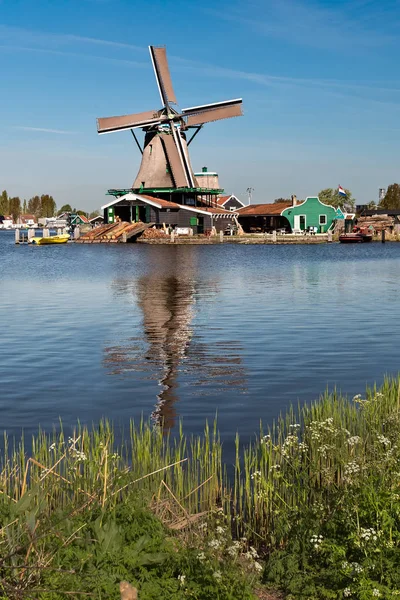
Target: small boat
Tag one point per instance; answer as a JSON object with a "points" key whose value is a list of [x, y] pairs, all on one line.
{"points": [[355, 238], [52, 239]]}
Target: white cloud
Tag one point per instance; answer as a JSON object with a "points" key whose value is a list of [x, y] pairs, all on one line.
{"points": [[44, 130]]}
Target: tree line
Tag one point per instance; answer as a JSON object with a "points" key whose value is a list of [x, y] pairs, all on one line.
{"points": [[39, 206]]}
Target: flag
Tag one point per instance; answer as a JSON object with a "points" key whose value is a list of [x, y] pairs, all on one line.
{"points": [[341, 191]]}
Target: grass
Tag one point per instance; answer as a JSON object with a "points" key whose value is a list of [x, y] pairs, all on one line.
{"points": [[315, 498]]}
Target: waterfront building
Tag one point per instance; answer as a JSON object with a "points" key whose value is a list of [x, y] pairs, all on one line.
{"points": [[132, 207], [264, 218], [27, 221], [288, 216], [310, 213]]}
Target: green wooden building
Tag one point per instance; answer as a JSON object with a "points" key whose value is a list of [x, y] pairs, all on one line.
{"points": [[310, 213]]}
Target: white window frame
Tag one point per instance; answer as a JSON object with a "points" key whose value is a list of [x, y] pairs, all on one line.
{"points": [[326, 219], [305, 221]]}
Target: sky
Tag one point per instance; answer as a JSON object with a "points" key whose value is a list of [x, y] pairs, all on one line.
{"points": [[319, 80]]}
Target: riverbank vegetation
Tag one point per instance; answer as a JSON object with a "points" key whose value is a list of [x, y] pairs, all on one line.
{"points": [[311, 508]]}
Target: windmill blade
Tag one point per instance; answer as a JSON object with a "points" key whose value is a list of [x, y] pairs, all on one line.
{"points": [[197, 115], [163, 77], [176, 159], [110, 124]]}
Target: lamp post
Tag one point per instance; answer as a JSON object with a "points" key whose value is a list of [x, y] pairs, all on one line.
{"points": [[249, 191]]}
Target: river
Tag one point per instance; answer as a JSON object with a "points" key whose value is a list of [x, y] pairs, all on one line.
{"points": [[188, 332]]}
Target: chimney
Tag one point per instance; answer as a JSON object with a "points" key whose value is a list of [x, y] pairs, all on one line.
{"points": [[204, 169], [294, 199]]}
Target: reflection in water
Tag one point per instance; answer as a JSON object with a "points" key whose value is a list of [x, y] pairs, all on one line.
{"points": [[167, 297]]}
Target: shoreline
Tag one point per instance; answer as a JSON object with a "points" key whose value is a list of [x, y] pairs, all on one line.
{"points": [[300, 492]]}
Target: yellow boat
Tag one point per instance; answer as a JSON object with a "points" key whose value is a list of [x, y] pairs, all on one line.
{"points": [[53, 239]]}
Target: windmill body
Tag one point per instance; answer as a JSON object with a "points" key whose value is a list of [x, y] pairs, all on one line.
{"points": [[165, 170]]}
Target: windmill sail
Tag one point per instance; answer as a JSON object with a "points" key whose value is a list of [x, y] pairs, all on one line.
{"points": [[197, 115], [176, 162], [163, 77], [110, 124]]}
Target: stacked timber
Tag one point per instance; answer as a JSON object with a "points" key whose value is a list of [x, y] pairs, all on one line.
{"points": [[153, 234], [376, 223], [114, 233]]}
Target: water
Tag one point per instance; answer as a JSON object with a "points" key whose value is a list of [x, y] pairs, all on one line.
{"points": [[190, 331]]}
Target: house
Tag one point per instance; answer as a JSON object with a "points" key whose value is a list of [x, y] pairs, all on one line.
{"points": [[132, 207], [310, 213], [6, 222], [263, 218], [230, 202], [27, 221], [96, 221], [80, 220]]}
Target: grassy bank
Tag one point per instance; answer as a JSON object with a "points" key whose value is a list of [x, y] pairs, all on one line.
{"points": [[313, 509]]}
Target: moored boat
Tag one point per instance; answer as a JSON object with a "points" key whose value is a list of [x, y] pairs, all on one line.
{"points": [[52, 239], [355, 238]]}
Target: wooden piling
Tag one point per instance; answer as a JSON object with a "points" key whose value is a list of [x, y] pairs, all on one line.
{"points": [[383, 236], [46, 232], [172, 237], [221, 236], [17, 236], [77, 233], [31, 234], [329, 235], [274, 235]]}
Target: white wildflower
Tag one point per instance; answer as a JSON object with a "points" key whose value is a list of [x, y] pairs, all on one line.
{"points": [[201, 556], [53, 446], [181, 579], [357, 568], [203, 526], [316, 541], [265, 439], [256, 475], [376, 593], [258, 567], [215, 544], [355, 439], [346, 592], [232, 551], [383, 440], [217, 575], [220, 530]]}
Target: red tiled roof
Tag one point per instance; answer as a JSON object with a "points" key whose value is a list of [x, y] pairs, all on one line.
{"points": [[28, 217], [263, 210], [83, 218], [222, 199]]}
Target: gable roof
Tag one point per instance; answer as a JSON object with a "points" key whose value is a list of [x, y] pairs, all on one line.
{"points": [[221, 200], [263, 210], [83, 218]]}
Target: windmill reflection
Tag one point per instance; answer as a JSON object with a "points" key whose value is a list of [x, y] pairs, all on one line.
{"points": [[167, 297]]}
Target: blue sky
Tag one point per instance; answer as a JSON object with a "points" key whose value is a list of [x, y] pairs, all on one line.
{"points": [[319, 81]]}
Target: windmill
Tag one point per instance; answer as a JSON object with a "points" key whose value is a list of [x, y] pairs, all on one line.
{"points": [[165, 159]]}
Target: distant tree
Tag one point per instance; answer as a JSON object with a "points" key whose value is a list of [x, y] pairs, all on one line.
{"points": [[24, 208], [81, 212], [15, 207], [35, 206], [65, 208], [47, 206], [332, 197], [4, 204], [392, 197], [277, 200], [95, 213]]}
